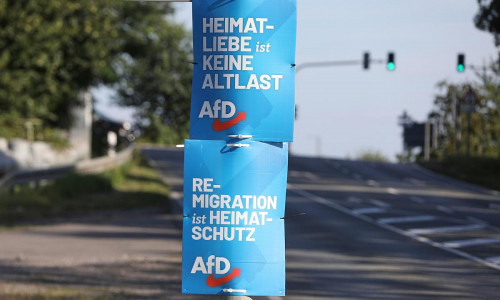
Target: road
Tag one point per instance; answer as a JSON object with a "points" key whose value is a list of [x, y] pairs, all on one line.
{"points": [[354, 230], [381, 231]]}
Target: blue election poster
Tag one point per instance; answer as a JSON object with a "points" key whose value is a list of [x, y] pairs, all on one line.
{"points": [[233, 234], [243, 77]]}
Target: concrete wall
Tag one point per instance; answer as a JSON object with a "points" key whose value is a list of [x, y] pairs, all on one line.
{"points": [[80, 134], [22, 154], [7, 163]]}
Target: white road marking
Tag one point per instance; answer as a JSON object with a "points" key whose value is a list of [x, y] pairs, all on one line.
{"points": [[495, 206], [325, 202], [310, 175], [392, 191], [372, 183], [417, 199], [354, 199], [396, 220], [379, 203], [369, 210], [471, 242], [416, 181], [476, 220], [423, 231], [445, 209], [495, 260], [356, 188]]}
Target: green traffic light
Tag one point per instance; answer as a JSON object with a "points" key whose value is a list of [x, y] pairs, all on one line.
{"points": [[460, 68], [391, 66]]}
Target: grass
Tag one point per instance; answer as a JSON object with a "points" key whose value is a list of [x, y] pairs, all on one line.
{"points": [[478, 170], [56, 294], [130, 186]]}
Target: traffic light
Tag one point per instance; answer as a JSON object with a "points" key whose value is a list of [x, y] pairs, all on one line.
{"points": [[366, 60], [461, 63], [391, 61]]}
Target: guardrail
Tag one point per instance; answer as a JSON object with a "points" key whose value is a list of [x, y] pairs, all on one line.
{"points": [[91, 166]]}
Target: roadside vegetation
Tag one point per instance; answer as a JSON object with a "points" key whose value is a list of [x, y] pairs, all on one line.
{"points": [[478, 170], [130, 186], [51, 51], [466, 117], [57, 294], [371, 155]]}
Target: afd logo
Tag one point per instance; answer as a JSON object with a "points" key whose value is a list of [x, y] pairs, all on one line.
{"points": [[215, 266], [221, 109]]}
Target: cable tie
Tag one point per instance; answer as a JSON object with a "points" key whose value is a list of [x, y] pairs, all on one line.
{"points": [[240, 136], [233, 291], [238, 145]]}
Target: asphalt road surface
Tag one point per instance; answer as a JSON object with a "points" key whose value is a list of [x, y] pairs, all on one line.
{"points": [[381, 231], [354, 230]]}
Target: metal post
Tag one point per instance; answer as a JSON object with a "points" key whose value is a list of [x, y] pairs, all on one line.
{"points": [[427, 141], [468, 134], [435, 136], [456, 118]]}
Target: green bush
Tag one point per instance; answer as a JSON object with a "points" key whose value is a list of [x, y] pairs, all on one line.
{"points": [[479, 170]]}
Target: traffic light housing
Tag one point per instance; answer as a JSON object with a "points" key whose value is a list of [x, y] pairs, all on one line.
{"points": [[461, 63], [391, 61], [366, 60]]}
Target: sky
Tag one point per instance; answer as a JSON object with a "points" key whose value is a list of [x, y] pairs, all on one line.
{"points": [[343, 111]]}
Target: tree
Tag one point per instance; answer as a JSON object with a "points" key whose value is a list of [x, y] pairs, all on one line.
{"points": [[52, 49], [488, 18], [156, 78], [490, 95], [484, 122]]}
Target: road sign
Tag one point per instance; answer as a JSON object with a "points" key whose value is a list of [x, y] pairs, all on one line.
{"points": [[469, 101], [414, 135], [243, 78], [233, 234]]}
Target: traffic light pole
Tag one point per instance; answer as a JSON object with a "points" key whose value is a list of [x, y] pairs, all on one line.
{"points": [[338, 63]]}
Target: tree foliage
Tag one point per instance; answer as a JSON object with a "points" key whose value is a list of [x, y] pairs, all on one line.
{"points": [[488, 18], [52, 49], [484, 122], [156, 78]]}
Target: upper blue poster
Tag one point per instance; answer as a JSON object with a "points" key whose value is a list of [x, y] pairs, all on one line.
{"points": [[243, 78]]}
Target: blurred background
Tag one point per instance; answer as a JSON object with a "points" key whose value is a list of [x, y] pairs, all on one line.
{"points": [[134, 60], [385, 90]]}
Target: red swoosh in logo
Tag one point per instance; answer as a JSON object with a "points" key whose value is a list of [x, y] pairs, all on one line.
{"points": [[220, 126], [213, 282]]}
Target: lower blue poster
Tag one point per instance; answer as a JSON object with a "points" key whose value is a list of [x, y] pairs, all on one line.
{"points": [[234, 202]]}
